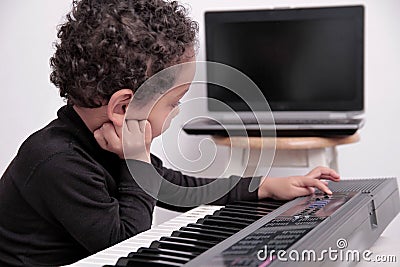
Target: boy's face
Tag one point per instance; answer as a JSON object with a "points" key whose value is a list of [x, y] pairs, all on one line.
{"points": [[166, 109], [161, 111]]}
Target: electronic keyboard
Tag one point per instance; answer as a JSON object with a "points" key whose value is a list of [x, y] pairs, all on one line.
{"points": [[264, 233]]}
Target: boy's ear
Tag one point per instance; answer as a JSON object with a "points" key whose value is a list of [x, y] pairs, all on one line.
{"points": [[117, 106]]}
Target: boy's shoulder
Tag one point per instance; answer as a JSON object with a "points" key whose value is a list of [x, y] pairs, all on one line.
{"points": [[52, 139], [56, 140], [65, 134], [53, 149]]}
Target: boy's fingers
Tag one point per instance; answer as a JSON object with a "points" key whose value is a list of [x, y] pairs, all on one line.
{"points": [[307, 182], [110, 134], [328, 177], [143, 125], [132, 125], [100, 138], [135, 126], [148, 133], [325, 182], [304, 191], [324, 173]]}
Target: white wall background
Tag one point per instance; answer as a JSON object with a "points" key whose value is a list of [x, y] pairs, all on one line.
{"points": [[28, 101]]}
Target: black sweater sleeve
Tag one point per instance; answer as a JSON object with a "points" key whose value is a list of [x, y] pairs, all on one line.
{"points": [[71, 192], [237, 188]]}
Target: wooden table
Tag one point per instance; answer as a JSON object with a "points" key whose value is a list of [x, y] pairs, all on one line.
{"points": [[308, 152]]}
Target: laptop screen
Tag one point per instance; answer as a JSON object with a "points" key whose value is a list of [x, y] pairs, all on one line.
{"points": [[309, 59]]}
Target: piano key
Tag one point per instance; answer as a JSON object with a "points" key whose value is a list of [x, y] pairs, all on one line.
{"points": [[229, 220], [197, 235], [216, 221], [215, 227], [182, 254], [157, 256], [262, 209], [124, 262], [192, 241], [205, 231], [166, 229], [122, 249], [264, 204], [237, 214], [249, 211], [178, 246]]}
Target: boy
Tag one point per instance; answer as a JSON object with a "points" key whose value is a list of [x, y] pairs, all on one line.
{"points": [[69, 193]]}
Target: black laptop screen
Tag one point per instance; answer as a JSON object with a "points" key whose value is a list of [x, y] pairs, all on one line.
{"points": [[301, 59]]}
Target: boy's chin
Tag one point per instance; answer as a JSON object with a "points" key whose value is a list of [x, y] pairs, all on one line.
{"points": [[159, 133]]}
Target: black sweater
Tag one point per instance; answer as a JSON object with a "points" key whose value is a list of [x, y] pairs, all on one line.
{"points": [[63, 198]]}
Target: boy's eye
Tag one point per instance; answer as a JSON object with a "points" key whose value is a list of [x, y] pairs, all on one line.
{"points": [[176, 104]]}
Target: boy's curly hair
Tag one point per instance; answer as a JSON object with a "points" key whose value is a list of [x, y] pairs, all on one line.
{"points": [[108, 45]]}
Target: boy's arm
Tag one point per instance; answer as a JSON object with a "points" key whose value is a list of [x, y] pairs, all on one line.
{"points": [[237, 188], [159, 181], [295, 186], [278, 188], [70, 191]]}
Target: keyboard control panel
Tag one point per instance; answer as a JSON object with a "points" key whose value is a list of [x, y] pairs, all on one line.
{"points": [[283, 231]]}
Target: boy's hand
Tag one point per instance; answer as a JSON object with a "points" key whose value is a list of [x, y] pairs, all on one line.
{"points": [[295, 186], [135, 143], [137, 140]]}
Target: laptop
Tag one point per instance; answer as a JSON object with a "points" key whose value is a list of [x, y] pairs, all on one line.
{"points": [[308, 63]]}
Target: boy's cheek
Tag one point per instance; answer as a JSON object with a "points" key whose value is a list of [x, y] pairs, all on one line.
{"points": [[160, 128], [161, 121]]}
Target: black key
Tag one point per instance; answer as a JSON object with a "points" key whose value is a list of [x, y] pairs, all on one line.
{"points": [[183, 254], [216, 221], [229, 218], [274, 201], [261, 209], [125, 262], [231, 230], [237, 214], [185, 240], [258, 211], [178, 246], [197, 235], [162, 257], [206, 231], [263, 203], [245, 210], [258, 204]]}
